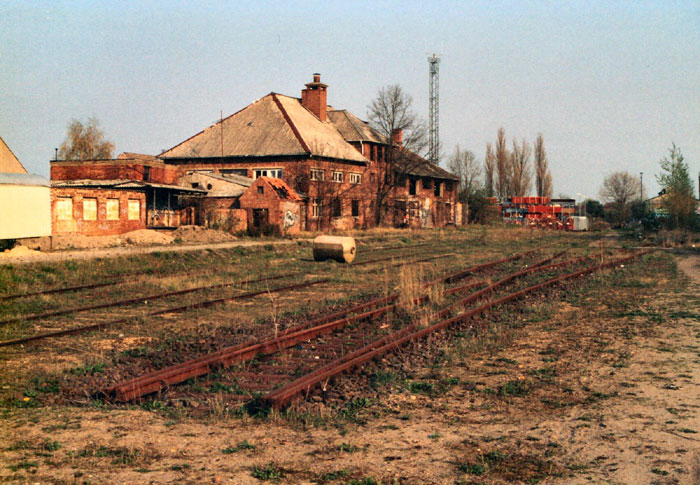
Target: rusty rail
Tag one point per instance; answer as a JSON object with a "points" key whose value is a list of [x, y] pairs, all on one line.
{"points": [[203, 304], [155, 381], [286, 394], [131, 301]]}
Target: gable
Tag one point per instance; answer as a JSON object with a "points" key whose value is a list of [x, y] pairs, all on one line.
{"points": [[8, 161]]}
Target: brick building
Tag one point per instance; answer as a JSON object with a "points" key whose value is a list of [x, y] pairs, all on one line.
{"points": [[332, 161], [330, 157], [133, 191]]}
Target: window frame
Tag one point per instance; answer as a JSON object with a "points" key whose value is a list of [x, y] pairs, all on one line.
{"points": [[92, 210], [278, 172], [337, 176], [317, 174], [109, 202], [355, 178]]}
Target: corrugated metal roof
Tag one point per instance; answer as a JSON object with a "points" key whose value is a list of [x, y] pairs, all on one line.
{"points": [[353, 128], [274, 125], [23, 179], [120, 184]]}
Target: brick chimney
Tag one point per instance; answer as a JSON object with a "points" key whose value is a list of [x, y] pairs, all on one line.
{"points": [[314, 97], [397, 137]]}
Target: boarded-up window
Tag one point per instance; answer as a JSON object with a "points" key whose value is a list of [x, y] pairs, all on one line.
{"points": [[112, 209], [134, 210], [89, 209], [64, 209]]}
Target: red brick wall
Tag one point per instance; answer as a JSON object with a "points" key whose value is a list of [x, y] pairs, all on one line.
{"points": [[277, 208], [101, 226], [113, 170]]}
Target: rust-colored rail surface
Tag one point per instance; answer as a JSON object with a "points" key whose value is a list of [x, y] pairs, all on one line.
{"points": [[131, 301], [155, 381], [203, 304], [283, 396]]}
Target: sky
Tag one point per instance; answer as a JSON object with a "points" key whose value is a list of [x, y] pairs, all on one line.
{"points": [[610, 85]]}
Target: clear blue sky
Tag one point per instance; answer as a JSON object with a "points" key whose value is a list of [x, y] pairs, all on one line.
{"points": [[609, 84]]}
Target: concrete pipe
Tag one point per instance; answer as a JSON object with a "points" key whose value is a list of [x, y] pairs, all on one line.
{"points": [[342, 249]]}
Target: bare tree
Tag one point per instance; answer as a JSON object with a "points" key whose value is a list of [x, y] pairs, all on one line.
{"points": [[547, 187], [390, 113], [85, 142], [463, 164], [503, 165], [543, 177], [521, 173], [489, 169], [619, 189]]}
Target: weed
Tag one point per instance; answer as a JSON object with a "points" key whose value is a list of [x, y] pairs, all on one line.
{"points": [[658, 471], [243, 445], [23, 465], [348, 448], [178, 467], [514, 388], [687, 430], [51, 445], [363, 481], [88, 369], [334, 475], [434, 436], [268, 472]]}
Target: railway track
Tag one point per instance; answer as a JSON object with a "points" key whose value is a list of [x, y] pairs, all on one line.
{"points": [[82, 319], [349, 328]]}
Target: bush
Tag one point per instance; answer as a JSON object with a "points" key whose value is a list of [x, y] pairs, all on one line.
{"points": [[7, 244]]}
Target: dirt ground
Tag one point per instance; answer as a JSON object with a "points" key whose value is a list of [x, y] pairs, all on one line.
{"points": [[602, 387]]}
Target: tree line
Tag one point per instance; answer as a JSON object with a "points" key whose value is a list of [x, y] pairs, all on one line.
{"points": [[504, 173]]}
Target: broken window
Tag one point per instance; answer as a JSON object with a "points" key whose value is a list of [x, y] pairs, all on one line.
{"points": [[437, 189], [112, 209], [134, 210], [64, 209], [268, 172], [89, 209], [411, 186], [427, 183], [356, 208], [261, 189], [146, 173], [316, 208], [335, 208]]}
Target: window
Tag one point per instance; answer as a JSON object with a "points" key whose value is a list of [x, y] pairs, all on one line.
{"points": [[356, 208], [355, 178], [335, 208], [437, 189], [268, 172], [261, 189], [317, 174], [427, 183], [372, 177], [411, 186], [134, 210], [89, 209], [337, 177], [64, 209], [146, 173], [112, 209], [316, 208]]}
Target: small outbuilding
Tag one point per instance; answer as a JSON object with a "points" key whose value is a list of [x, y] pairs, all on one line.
{"points": [[272, 207]]}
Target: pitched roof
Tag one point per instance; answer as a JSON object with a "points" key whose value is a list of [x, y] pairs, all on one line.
{"points": [[420, 167], [8, 161], [274, 125], [353, 128], [283, 190]]}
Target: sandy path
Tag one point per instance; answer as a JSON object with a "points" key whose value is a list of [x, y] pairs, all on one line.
{"points": [[690, 265]]}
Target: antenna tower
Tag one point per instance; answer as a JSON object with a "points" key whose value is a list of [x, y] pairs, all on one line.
{"points": [[434, 110]]}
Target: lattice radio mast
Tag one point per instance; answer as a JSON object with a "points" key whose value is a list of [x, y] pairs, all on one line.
{"points": [[434, 110]]}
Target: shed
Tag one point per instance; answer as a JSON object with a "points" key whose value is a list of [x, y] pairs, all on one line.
{"points": [[25, 206], [272, 206]]}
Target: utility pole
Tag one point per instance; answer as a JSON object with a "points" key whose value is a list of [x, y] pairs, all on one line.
{"points": [[434, 110]]}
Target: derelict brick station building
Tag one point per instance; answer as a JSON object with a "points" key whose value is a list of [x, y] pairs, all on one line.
{"points": [[327, 161]]}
